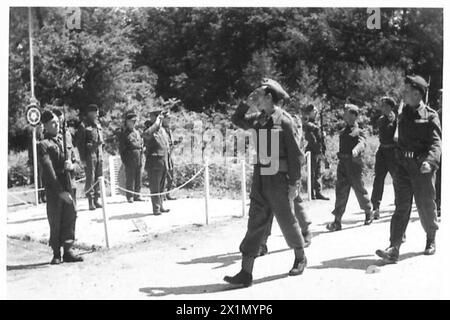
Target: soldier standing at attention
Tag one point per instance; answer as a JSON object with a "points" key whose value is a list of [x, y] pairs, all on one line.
{"points": [[350, 169], [61, 210], [419, 141], [316, 147], [131, 147], [438, 173], [170, 169], [385, 156], [90, 147], [157, 159], [272, 192]]}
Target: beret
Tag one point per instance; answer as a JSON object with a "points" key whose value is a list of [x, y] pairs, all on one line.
{"points": [[57, 112], [47, 115], [310, 107], [390, 101], [131, 115], [276, 87], [352, 108], [92, 107], [418, 83]]}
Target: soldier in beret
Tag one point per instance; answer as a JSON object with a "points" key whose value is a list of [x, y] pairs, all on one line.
{"points": [[131, 146], [385, 156], [272, 193], [316, 147], [419, 154], [438, 173], [61, 210], [90, 147], [156, 143], [350, 168]]}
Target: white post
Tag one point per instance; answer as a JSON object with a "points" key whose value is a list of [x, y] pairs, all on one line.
{"points": [[101, 180], [243, 186], [308, 172], [35, 168], [207, 190], [112, 175]]}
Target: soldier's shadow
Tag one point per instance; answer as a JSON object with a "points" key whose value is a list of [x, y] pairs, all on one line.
{"points": [[360, 262], [203, 289], [224, 260]]}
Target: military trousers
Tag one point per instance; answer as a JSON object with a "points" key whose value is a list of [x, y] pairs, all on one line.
{"points": [[268, 198], [384, 162], [156, 167], [61, 218], [409, 183], [133, 172], [438, 188], [316, 173], [349, 176], [93, 170]]}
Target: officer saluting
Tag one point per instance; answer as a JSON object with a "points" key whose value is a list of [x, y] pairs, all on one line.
{"points": [[61, 211], [90, 147], [271, 193], [131, 147], [419, 141], [157, 158], [352, 142]]}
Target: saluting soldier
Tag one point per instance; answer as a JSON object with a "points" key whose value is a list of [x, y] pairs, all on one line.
{"points": [[385, 156], [90, 147], [61, 210], [316, 147], [131, 146], [419, 141], [352, 142], [272, 192], [157, 159]]}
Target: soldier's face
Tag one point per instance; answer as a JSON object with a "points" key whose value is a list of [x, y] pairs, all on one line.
{"points": [[349, 117], [131, 123], [257, 100], [52, 126], [385, 108], [411, 95], [93, 115]]}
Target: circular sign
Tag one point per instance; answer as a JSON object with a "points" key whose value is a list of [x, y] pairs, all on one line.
{"points": [[33, 115]]}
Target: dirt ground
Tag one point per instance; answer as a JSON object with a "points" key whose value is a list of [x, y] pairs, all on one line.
{"points": [[189, 262]]}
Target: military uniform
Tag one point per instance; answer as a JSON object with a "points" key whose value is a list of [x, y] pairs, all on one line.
{"points": [[316, 147], [90, 147], [39, 137], [170, 169], [157, 161], [385, 156], [419, 142], [61, 215], [349, 174], [131, 147], [269, 192], [438, 174]]}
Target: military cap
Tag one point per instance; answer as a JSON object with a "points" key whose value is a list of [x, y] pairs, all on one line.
{"points": [[310, 108], [47, 115], [390, 101], [92, 107], [275, 87], [352, 108], [418, 83], [131, 115]]}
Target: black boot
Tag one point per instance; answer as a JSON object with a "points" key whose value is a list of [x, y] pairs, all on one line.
{"points": [[430, 247], [320, 196], [96, 203], [389, 255], [242, 278], [56, 256], [334, 226], [130, 200], [298, 267], [69, 256], [163, 210], [91, 204], [169, 197], [376, 214], [369, 218]]}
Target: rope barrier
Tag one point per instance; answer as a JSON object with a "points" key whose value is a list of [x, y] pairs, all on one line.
{"points": [[161, 193]]}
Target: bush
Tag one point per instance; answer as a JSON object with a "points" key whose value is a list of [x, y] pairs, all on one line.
{"points": [[19, 172]]}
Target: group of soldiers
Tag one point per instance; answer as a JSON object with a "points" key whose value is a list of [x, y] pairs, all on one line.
{"points": [[57, 159], [410, 150]]}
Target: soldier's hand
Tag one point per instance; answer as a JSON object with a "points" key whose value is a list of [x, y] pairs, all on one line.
{"points": [[68, 165], [66, 197], [425, 167], [293, 192], [355, 153]]}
